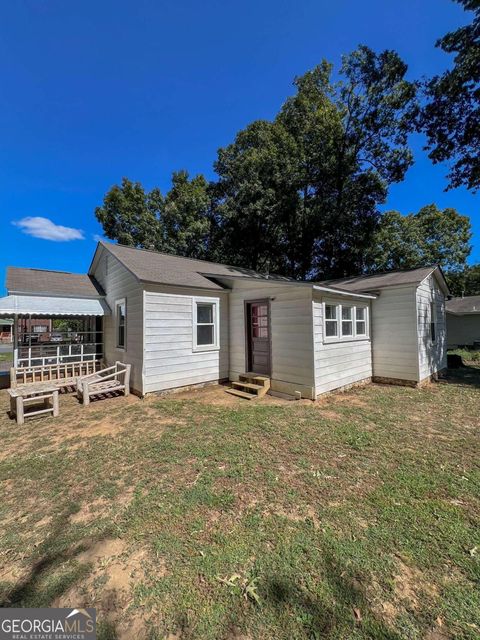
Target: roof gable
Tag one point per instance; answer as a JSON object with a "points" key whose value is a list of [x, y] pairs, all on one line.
{"points": [[162, 268], [388, 279]]}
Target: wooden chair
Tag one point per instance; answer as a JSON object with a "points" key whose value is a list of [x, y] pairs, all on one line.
{"points": [[114, 378]]}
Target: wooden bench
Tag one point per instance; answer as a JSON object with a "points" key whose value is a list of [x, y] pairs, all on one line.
{"points": [[60, 375], [114, 378], [33, 392]]}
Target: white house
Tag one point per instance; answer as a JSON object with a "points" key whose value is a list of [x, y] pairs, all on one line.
{"points": [[463, 321], [181, 322]]}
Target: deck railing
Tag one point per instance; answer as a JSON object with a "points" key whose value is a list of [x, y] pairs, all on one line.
{"points": [[56, 347]]}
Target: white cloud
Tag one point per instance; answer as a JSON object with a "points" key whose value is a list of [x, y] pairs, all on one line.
{"points": [[98, 238], [45, 229]]}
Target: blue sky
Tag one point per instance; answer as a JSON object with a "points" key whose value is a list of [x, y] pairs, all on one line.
{"points": [[93, 91]]}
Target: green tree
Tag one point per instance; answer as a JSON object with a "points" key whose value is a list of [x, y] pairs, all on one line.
{"points": [[255, 197], [465, 282], [187, 216], [431, 236], [178, 223], [306, 187], [451, 116], [132, 216]]}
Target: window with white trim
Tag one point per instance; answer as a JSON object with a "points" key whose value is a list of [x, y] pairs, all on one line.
{"points": [[331, 321], [205, 325], [345, 321], [360, 321], [121, 323]]}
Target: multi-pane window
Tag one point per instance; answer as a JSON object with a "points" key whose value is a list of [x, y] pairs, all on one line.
{"points": [[360, 321], [39, 328], [205, 324], [259, 321], [331, 321], [121, 322], [347, 321]]}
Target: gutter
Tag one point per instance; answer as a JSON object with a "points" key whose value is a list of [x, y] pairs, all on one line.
{"points": [[351, 294]]}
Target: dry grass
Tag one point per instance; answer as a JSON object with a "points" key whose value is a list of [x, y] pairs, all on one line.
{"points": [[204, 516]]}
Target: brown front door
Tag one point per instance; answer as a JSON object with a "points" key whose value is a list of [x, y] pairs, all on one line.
{"points": [[258, 337]]}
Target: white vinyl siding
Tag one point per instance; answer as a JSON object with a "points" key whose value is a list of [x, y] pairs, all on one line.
{"points": [[339, 362], [394, 334], [432, 355], [118, 283], [291, 333], [171, 358]]}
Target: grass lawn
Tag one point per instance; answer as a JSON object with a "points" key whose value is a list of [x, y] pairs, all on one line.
{"points": [[6, 357], [205, 516]]}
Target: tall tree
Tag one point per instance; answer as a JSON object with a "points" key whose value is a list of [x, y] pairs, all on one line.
{"points": [[131, 216], [178, 223], [308, 185], [451, 116], [187, 216], [431, 236], [254, 198], [465, 282]]}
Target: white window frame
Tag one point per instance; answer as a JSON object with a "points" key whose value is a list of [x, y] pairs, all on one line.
{"points": [[118, 303], [355, 337], [365, 321], [331, 320], [215, 346]]}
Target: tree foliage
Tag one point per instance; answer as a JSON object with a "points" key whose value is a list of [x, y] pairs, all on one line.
{"points": [[451, 116], [431, 236], [178, 223], [300, 195], [306, 187], [465, 282], [131, 216]]}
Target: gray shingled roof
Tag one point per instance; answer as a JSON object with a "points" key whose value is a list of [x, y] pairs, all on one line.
{"points": [[56, 283], [380, 280], [468, 304], [163, 268]]}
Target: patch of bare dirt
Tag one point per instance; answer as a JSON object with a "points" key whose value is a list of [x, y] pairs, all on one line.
{"points": [[109, 587], [216, 395], [89, 511], [410, 584], [295, 514]]}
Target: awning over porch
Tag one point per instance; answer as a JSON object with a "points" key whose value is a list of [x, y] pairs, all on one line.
{"points": [[52, 306]]}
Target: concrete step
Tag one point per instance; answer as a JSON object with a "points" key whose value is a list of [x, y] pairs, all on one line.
{"points": [[242, 394]]}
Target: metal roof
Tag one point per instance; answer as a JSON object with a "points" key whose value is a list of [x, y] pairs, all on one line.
{"points": [[468, 304], [59, 283], [52, 306]]}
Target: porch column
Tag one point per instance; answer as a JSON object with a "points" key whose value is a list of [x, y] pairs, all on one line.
{"points": [[15, 341]]}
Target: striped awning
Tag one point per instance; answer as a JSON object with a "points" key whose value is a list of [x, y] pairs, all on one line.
{"points": [[52, 306]]}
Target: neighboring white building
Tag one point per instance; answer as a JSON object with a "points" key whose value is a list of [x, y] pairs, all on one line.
{"points": [[463, 321], [181, 322]]}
